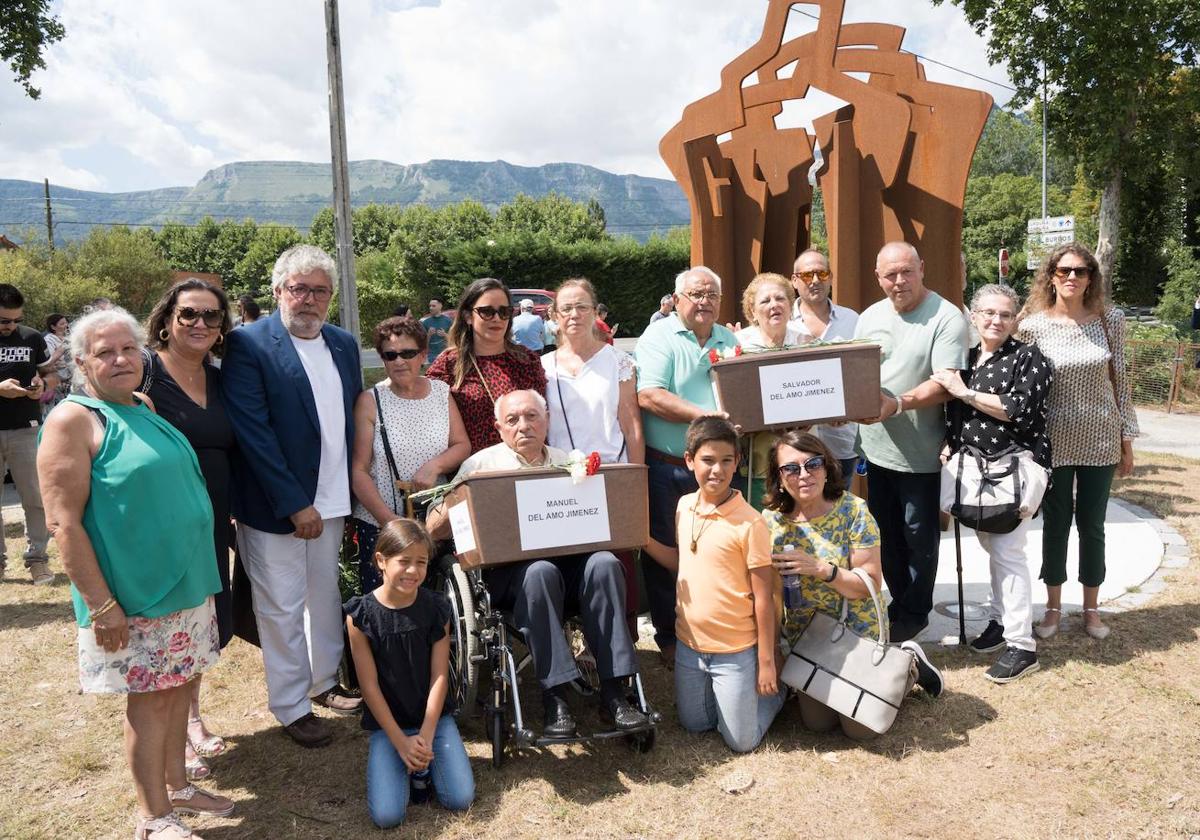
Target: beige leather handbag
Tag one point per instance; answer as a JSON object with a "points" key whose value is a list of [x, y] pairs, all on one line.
{"points": [[862, 678]]}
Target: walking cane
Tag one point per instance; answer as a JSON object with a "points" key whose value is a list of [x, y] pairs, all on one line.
{"points": [[962, 621]]}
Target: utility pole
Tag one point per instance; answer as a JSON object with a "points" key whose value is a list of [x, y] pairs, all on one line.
{"points": [[348, 293], [49, 215], [1045, 113]]}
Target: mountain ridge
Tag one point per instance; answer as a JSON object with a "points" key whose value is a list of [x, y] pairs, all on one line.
{"points": [[292, 192]]}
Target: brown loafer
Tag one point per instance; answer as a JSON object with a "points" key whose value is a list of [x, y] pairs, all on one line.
{"points": [[338, 703], [309, 731]]}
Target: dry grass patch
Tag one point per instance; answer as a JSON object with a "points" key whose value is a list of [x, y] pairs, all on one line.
{"points": [[1100, 743]]}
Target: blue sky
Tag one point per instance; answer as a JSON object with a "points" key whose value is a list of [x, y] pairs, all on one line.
{"points": [[151, 94]]}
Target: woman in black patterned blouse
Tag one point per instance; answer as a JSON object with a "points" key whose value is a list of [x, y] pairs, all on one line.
{"points": [[1000, 402]]}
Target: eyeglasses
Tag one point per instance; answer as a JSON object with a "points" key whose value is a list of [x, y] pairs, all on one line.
{"points": [[1062, 272], [393, 355], [487, 313], [4, 322], [570, 308], [187, 316], [819, 274], [814, 463], [702, 297], [989, 314], [319, 293]]}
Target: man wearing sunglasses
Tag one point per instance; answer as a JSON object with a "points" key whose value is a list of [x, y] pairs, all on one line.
{"points": [[673, 390], [289, 383], [24, 360], [817, 318], [919, 332]]}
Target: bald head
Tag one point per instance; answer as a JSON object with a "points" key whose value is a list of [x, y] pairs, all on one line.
{"points": [[522, 419], [901, 275]]}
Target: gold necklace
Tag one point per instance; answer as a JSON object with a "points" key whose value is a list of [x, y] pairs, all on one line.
{"points": [[696, 535]]}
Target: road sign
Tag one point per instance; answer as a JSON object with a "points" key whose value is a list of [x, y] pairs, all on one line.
{"points": [[1045, 235], [1003, 263], [1052, 224]]}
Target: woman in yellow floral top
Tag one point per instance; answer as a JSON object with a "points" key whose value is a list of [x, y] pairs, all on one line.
{"points": [[820, 532]]}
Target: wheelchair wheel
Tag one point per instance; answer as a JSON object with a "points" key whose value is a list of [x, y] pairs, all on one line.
{"points": [[641, 742], [464, 635], [495, 726]]}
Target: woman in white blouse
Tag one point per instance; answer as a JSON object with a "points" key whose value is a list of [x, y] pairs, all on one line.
{"points": [[590, 386], [1091, 421]]}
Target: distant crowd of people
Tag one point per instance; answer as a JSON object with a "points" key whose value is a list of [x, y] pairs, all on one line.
{"points": [[164, 445]]}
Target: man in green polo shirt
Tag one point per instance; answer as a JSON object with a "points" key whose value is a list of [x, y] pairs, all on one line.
{"points": [[674, 389], [919, 332]]}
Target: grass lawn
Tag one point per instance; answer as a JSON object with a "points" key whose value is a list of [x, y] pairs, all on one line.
{"points": [[1101, 743]]}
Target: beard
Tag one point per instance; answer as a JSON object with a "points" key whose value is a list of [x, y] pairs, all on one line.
{"points": [[301, 324]]}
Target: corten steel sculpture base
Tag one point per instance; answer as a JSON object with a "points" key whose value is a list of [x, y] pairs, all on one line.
{"points": [[896, 158]]}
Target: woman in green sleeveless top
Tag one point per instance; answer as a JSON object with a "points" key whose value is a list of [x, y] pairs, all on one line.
{"points": [[133, 523]]}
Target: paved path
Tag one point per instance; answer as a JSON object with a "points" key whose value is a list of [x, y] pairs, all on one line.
{"points": [[1173, 434]]}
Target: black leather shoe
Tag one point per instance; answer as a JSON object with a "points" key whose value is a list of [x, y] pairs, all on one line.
{"points": [[557, 722], [622, 714]]}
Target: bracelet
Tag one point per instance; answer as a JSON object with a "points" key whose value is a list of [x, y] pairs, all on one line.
{"points": [[833, 572], [105, 607]]}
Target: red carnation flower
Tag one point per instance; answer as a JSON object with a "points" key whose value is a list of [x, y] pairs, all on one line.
{"points": [[737, 350], [713, 356], [593, 463]]}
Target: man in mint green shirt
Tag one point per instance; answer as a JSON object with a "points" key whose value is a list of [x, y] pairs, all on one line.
{"points": [[919, 332], [674, 389]]}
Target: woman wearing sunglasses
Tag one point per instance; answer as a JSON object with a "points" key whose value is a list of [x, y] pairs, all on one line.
{"points": [[186, 329], [1091, 421], [482, 363], [407, 430], [819, 532]]}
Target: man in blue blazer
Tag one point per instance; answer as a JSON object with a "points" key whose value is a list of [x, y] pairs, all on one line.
{"points": [[289, 383]]}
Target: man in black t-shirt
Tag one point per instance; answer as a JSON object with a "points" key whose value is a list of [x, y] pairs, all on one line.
{"points": [[23, 363]]}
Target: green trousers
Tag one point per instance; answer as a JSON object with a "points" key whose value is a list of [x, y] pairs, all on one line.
{"points": [[1081, 492]]}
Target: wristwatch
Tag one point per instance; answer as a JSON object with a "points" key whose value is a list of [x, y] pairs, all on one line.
{"points": [[832, 573]]}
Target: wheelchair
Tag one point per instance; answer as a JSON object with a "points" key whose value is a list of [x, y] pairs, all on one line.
{"points": [[486, 667]]}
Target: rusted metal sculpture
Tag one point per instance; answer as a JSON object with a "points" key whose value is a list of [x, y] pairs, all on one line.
{"points": [[896, 158]]}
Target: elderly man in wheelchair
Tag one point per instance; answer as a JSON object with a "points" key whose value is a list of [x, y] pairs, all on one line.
{"points": [[542, 594]]}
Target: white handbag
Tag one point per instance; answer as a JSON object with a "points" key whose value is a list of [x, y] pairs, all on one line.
{"points": [[992, 493], [862, 678]]}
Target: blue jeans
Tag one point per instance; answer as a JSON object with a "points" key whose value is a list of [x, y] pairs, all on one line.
{"points": [[719, 691], [387, 775], [905, 505]]}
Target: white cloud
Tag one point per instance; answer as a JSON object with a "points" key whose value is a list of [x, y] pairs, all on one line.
{"points": [[158, 97]]}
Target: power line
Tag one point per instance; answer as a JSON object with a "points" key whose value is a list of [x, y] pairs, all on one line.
{"points": [[930, 60]]}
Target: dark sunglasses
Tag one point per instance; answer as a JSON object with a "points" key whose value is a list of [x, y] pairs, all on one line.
{"points": [[187, 316], [1062, 272], [4, 322], [814, 463], [393, 355], [816, 274], [487, 313]]}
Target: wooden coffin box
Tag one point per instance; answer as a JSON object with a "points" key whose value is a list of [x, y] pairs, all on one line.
{"points": [[784, 388], [514, 515]]}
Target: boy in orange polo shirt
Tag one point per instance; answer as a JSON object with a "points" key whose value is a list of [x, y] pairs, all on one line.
{"points": [[725, 667]]}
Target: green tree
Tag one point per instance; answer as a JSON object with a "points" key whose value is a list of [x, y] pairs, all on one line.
{"points": [[553, 215], [253, 270], [126, 261], [995, 215], [1108, 64], [27, 29], [49, 284]]}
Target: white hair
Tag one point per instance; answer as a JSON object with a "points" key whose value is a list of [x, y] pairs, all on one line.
{"points": [[704, 271], [302, 259], [525, 304], [541, 401], [80, 335], [998, 289]]}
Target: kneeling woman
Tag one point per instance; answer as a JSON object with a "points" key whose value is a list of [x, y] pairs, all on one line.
{"points": [[819, 532], [400, 638]]}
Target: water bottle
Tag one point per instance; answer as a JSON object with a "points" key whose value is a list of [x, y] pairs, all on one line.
{"points": [[791, 586], [419, 787]]}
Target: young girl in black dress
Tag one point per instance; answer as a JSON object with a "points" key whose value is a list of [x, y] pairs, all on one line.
{"points": [[399, 637]]}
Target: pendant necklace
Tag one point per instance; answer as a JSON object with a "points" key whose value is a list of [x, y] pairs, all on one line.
{"points": [[696, 535]]}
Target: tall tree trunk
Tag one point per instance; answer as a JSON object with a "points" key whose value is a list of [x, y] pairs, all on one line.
{"points": [[1110, 229]]}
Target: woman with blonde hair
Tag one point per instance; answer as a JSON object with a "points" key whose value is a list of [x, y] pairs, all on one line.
{"points": [[1091, 420], [767, 306]]}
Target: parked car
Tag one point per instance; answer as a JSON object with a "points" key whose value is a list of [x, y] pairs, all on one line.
{"points": [[541, 298]]}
